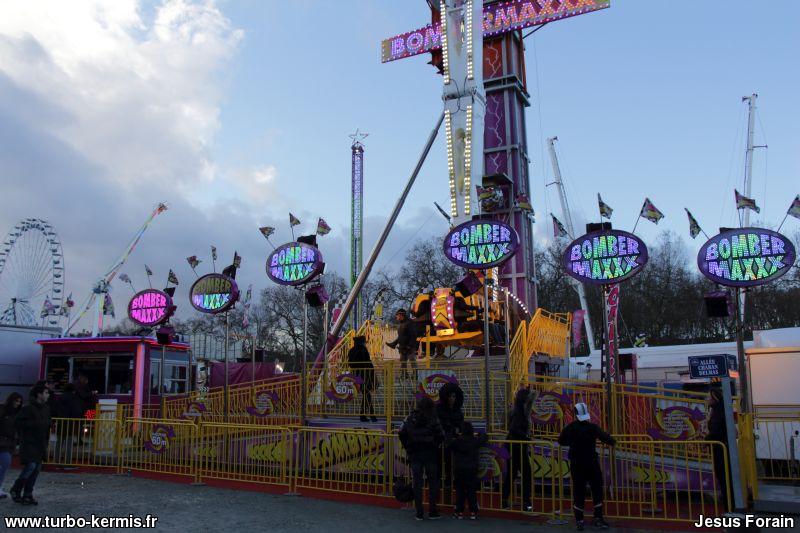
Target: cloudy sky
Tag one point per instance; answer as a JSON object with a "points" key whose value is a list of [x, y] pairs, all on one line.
{"points": [[237, 112]]}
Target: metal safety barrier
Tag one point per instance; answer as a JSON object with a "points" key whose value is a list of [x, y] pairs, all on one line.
{"points": [[82, 442], [254, 454]]}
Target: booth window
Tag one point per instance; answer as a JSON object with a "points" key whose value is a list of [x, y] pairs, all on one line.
{"points": [[175, 381], [94, 368], [120, 372], [57, 371]]}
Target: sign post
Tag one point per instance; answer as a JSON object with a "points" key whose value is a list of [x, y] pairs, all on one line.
{"points": [[716, 366], [741, 258], [482, 244]]}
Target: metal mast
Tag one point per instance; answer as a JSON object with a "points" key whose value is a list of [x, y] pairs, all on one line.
{"points": [[567, 216], [748, 156], [357, 220], [748, 170]]}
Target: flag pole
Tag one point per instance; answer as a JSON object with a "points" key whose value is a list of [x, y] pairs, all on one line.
{"points": [[782, 221], [213, 264], [149, 282], [637, 223], [292, 228]]}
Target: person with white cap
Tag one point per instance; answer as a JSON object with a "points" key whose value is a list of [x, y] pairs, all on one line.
{"points": [[581, 436]]}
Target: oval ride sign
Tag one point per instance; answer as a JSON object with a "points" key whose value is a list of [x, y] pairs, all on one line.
{"points": [[481, 244], [150, 307], [745, 257], [213, 293], [294, 263], [605, 257]]}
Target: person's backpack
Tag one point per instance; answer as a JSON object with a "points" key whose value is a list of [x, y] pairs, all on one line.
{"points": [[403, 491]]}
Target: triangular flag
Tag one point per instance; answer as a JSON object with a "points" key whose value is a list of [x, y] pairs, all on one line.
{"points": [[322, 227], [605, 209], [267, 231], [172, 278], [193, 261], [214, 253], [650, 212], [237, 260], [108, 306], [293, 220], [694, 227], [147, 269], [523, 202], [743, 202], [558, 228], [124, 278], [794, 209]]}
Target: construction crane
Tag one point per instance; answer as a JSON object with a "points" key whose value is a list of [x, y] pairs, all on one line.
{"points": [[102, 286]]}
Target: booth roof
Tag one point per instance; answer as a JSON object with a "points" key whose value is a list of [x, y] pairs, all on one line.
{"points": [[111, 340]]}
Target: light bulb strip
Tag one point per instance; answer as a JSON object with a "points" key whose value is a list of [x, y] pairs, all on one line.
{"points": [[451, 171], [468, 31], [468, 162], [445, 58]]}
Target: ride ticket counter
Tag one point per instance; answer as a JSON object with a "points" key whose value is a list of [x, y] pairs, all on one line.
{"points": [[125, 369]]}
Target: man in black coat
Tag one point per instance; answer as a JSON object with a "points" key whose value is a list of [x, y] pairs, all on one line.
{"points": [[519, 462], [422, 436], [361, 364], [406, 341], [718, 432], [451, 417], [581, 436], [70, 408], [33, 427]]}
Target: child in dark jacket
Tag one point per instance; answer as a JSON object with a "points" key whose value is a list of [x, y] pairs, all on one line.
{"points": [[466, 461]]}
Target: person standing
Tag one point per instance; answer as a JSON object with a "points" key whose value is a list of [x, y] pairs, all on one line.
{"points": [[718, 432], [361, 364], [519, 433], [69, 408], [451, 417], [33, 427], [466, 461], [422, 436], [8, 434], [581, 436], [406, 341]]}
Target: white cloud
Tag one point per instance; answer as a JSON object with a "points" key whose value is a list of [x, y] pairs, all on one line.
{"points": [[141, 100]]}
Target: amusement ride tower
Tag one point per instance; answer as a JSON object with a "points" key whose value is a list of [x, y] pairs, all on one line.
{"points": [[357, 220]]}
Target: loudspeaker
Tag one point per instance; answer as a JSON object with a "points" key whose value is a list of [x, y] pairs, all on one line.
{"points": [[597, 226], [469, 285], [718, 304], [164, 334], [316, 296]]}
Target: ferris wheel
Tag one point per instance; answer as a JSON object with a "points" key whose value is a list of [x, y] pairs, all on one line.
{"points": [[31, 274]]}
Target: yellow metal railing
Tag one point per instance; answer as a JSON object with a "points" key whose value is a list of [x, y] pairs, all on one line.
{"points": [[644, 479], [545, 334]]}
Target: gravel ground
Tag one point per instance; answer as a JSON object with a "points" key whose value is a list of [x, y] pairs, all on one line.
{"points": [[181, 507]]}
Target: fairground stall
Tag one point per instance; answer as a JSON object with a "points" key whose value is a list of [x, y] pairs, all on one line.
{"points": [[125, 369]]}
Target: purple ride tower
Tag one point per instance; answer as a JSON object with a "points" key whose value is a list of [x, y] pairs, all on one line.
{"points": [[505, 146]]}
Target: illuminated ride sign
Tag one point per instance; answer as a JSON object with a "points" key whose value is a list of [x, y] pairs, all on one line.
{"points": [[214, 293], [745, 257], [498, 18], [150, 307], [294, 263], [605, 257], [481, 244]]}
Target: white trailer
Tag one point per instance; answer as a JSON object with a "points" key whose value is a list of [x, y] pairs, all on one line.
{"points": [[21, 357]]}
